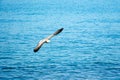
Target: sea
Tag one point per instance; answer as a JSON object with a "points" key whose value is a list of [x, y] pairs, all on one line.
{"points": [[87, 49]]}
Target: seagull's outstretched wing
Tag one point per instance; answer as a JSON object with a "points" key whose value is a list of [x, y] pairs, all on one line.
{"points": [[55, 33], [39, 45], [46, 40]]}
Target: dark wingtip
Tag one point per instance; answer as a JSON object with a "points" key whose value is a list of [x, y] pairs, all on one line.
{"points": [[58, 31], [35, 50], [61, 29]]}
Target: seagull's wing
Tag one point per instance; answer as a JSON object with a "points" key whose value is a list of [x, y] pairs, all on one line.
{"points": [[39, 45], [55, 33]]}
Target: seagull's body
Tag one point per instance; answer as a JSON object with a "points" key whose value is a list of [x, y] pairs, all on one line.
{"points": [[46, 40]]}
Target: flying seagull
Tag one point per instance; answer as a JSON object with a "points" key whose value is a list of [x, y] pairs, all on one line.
{"points": [[46, 40]]}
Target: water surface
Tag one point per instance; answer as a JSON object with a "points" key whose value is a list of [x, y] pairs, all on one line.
{"points": [[87, 49]]}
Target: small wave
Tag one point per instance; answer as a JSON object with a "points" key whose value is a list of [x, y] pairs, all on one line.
{"points": [[106, 63], [6, 58], [8, 68], [11, 20], [116, 69]]}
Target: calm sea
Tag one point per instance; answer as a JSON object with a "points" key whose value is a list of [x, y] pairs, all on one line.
{"points": [[87, 49]]}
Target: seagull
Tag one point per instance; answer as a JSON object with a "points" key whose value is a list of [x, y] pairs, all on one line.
{"points": [[46, 40]]}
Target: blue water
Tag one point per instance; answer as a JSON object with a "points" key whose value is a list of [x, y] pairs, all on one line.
{"points": [[87, 49]]}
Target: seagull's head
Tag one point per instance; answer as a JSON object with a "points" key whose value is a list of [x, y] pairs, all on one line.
{"points": [[47, 41]]}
